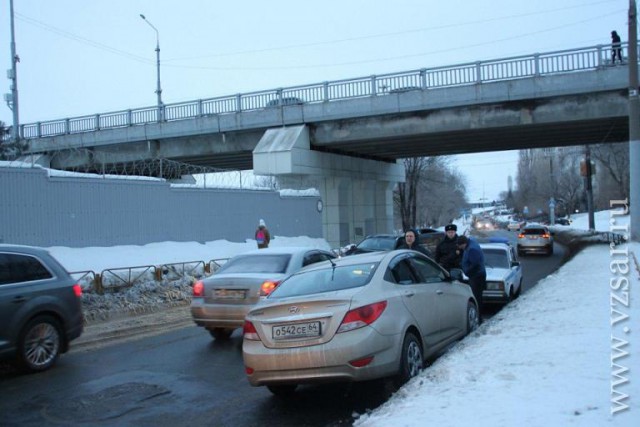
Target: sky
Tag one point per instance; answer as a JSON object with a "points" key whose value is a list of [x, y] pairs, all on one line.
{"points": [[81, 58], [545, 359]]}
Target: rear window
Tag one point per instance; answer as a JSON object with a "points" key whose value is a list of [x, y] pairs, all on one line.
{"points": [[325, 280], [272, 263], [17, 268], [378, 244], [534, 231]]}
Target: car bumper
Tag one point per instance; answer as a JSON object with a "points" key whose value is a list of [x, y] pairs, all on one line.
{"points": [[535, 249], [218, 315], [324, 363], [497, 297]]}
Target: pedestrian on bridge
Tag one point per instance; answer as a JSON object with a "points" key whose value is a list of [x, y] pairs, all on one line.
{"points": [[616, 48]]}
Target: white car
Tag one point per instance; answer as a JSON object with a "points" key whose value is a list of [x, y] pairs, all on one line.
{"points": [[504, 273], [515, 225]]}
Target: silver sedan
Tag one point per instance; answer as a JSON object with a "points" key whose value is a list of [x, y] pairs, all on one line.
{"points": [[221, 301], [356, 318]]}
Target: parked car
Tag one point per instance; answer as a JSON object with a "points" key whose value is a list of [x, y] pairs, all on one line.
{"points": [[286, 100], [535, 238], [221, 301], [504, 273], [427, 238], [40, 308], [375, 243], [516, 225], [563, 221], [358, 318], [430, 238]]}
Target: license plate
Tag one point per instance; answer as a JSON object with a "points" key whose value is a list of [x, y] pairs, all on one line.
{"points": [[230, 293], [298, 330]]}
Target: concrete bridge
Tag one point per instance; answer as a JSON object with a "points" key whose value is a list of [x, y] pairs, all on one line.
{"points": [[344, 137]]}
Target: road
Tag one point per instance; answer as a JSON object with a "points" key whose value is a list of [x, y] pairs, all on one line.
{"points": [[183, 377]]}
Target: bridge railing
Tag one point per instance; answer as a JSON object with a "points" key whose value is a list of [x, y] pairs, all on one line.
{"points": [[565, 61]]}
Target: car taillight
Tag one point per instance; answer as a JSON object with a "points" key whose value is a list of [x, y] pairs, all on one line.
{"points": [[545, 236], [249, 331], [77, 290], [267, 287], [198, 289], [521, 236], [362, 316]]}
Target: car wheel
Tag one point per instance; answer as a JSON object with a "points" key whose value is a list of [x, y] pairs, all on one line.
{"points": [[517, 293], [221, 334], [550, 251], [473, 317], [39, 344], [283, 390], [411, 361]]}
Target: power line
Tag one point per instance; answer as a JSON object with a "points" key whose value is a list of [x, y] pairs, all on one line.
{"points": [[134, 57]]}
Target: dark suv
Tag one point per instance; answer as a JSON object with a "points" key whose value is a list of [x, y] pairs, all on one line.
{"points": [[40, 307]]}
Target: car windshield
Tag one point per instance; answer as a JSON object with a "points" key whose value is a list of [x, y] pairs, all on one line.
{"points": [[257, 263], [378, 244], [325, 280], [495, 258]]}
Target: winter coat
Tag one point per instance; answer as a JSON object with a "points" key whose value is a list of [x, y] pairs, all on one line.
{"points": [[473, 259], [446, 254], [416, 247], [267, 237]]}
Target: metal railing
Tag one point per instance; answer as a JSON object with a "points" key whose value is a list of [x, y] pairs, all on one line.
{"points": [[517, 67], [125, 277]]}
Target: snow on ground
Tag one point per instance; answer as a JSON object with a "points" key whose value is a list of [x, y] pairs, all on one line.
{"points": [[565, 353], [559, 355]]}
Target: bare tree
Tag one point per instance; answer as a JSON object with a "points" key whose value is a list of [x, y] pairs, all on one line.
{"points": [[432, 195], [612, 179]]}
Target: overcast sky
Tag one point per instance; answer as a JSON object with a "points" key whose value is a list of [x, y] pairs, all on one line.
{"points": [[79, 57]]}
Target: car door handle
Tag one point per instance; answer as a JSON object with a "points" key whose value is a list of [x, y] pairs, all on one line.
{"points": [[409, 294], [439, 292], [18, 300]]}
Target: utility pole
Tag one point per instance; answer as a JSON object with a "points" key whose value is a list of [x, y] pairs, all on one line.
{"points": [[634, 127], [589, 187], [12, 99]]}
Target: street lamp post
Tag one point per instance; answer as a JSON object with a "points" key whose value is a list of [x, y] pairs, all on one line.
{"points": [[12, 98], [158, 89]]}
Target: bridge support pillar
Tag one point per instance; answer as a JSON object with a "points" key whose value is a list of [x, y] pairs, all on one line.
{"points": [[356, 194]]}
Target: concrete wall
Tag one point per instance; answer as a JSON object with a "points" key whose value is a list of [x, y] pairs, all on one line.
{"points": [[37, 209]]}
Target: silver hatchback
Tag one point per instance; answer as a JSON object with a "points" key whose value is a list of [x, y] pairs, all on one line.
{"points": [[535, 238], [220, 302], [358, 318]]}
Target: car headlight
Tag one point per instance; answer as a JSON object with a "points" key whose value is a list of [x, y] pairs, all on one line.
{"points": [[495, 286]]}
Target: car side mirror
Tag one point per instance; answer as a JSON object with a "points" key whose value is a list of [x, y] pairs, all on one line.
{"points": [[515, 263], [456, 274]]}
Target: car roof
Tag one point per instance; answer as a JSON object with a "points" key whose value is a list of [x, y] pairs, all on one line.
{"points": [[533, 226], [33, 250], [286, 250], [495, 245]]}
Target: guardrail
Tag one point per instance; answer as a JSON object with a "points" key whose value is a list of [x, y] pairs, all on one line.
{"points": [[538, 64], [112, 279]]}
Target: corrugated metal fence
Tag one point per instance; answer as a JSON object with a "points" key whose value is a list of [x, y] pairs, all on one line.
{"points": [[36, 209]]}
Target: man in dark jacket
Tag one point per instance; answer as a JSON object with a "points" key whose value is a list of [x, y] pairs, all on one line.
{"points": [[447, 253], [473, 267], [411, 242]]}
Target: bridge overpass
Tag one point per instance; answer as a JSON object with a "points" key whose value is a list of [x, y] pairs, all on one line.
{"points": [[344, 137]]}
